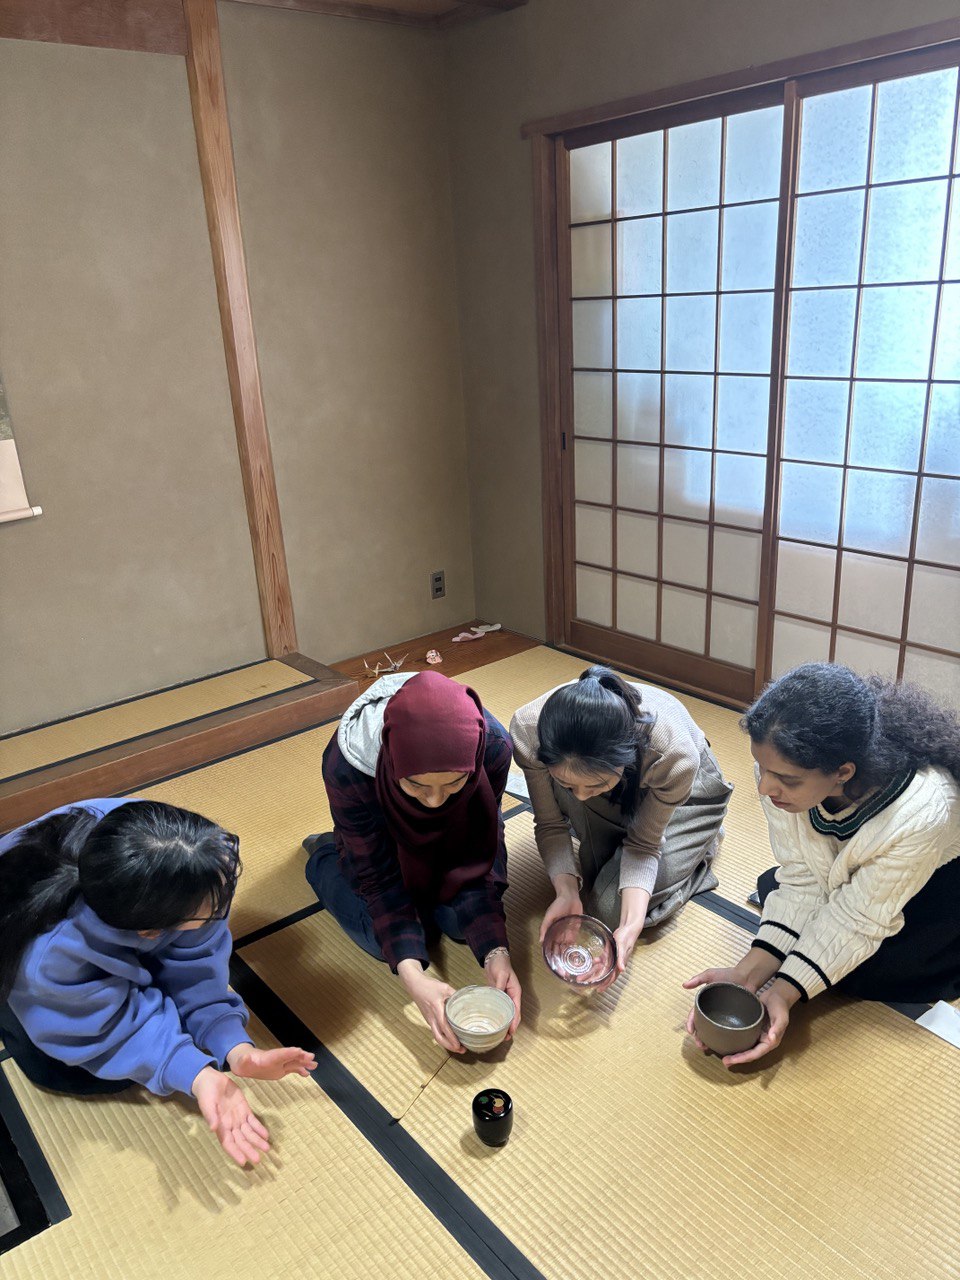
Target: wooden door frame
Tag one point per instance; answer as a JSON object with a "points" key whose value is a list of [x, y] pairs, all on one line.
{"points": [[190, 29], [915, 49]]}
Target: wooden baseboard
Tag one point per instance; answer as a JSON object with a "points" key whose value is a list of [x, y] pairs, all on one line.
{"points": [[154, 756]]}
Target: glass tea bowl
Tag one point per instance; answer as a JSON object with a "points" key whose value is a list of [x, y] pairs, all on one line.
{"points": [[580, 950], [479, 1017]]}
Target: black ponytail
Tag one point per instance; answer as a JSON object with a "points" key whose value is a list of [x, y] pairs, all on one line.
{"points": [[143, 866], [822, 715], [597, 726]]}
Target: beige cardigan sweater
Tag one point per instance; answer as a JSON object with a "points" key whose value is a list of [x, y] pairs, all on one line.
{"points": [[844, 878], [669, 768]]}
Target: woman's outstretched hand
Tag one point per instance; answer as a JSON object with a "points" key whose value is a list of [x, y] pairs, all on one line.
{"points": [[228, 1114], [251, 1063], [430, 995], [499, 973]]}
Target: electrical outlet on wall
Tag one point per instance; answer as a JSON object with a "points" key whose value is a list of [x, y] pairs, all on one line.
{"points": [[438, 585]]}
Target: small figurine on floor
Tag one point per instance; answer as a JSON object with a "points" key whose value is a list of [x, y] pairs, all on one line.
{"points": [[114, 953], [384, 668]]}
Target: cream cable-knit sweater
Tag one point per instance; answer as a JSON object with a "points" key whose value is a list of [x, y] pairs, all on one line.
{"points": [[668, 771], [844, 878]]}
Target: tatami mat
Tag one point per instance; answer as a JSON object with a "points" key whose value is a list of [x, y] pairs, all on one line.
{"points": [[271, 798], [153, 1196], [635, 1156], [54, 742]]}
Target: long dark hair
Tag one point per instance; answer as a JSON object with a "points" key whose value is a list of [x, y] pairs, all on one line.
{"points": [[597, 725], [145, 865], [821, 715]]}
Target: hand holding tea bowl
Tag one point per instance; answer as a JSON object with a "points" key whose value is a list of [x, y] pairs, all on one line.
{"points": [[776, 1000]]}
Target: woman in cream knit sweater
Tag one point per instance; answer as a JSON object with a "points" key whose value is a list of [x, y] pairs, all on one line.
{"points": [[858, 779]]}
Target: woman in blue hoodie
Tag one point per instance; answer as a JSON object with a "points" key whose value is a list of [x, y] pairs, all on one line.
{"points": [[114, 952]]}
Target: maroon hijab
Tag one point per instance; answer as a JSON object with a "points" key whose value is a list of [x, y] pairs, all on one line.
{"points": [[434, 725]]}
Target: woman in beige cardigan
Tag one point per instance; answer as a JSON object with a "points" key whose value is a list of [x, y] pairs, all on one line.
{"points": [[626, 769], [858, 779]]}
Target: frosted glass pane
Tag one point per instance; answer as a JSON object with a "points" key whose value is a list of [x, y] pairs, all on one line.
{"points": [[939, 675], [591, 180], [637, 543], [935, 607], [905, 232], [821, 333], [797, 642], [637, 607], [688, 416], [896, 332], [948, 334], [740, 488], [736, 563], [743, 408], [686, 483], [871, 593], [590, 265], [810, 502], [939, 534], [639, 256], [746, 329], [692, 241], [753, 155], [593, 471], [733, 632], [691, 326], [593, 404], [592, 335], [693, 165], [867, 656], [685, 553], [951, 266], [815, 420], [887, 424], [595, 596], [683, 619], [638, 406], [879, 511], [827, 242], [638, 333], [834, 140], [640, 174], [594, 529], [638, 477], [914, 126], [805, 578], [943, 429], [749, 246]]}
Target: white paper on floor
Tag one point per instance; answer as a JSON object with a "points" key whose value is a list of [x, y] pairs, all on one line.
{"points": [[944, 1021]]}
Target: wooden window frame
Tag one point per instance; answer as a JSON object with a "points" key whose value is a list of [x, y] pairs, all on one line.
{"points": [[787, 82]]}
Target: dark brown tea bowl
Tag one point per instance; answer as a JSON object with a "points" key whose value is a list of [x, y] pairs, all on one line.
{"points": [[727, 1018]]}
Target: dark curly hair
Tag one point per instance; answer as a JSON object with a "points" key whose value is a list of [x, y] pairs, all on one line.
{"points": [[822, 715], [596, 726]]}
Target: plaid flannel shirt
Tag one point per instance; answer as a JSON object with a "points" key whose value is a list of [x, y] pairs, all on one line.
{"points": [[368, 859]]}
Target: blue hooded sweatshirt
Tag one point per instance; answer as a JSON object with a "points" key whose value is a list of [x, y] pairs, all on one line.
{"points": [[153, 1010]]}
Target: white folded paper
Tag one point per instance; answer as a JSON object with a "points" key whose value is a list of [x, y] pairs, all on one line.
{"points": [[944, 1021]]}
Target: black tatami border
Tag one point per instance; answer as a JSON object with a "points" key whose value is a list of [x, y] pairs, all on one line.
{"points": [[477, 1234], [29, 1181]]}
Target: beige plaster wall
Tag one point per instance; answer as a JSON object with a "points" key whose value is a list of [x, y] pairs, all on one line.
{"points": [[548, 57], [342, 168], [139, 573]]}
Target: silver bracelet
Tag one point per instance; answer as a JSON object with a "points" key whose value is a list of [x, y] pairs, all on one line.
{"points": [[497, 951]]}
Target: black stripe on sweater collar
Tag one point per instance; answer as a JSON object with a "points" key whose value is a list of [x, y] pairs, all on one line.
{"points": [[849, 826]]}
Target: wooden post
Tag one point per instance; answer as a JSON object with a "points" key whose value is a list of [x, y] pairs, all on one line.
{"points": [[214, 146]]}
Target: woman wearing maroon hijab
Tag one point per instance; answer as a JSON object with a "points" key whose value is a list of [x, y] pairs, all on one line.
{"points": [[415, 777]]}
